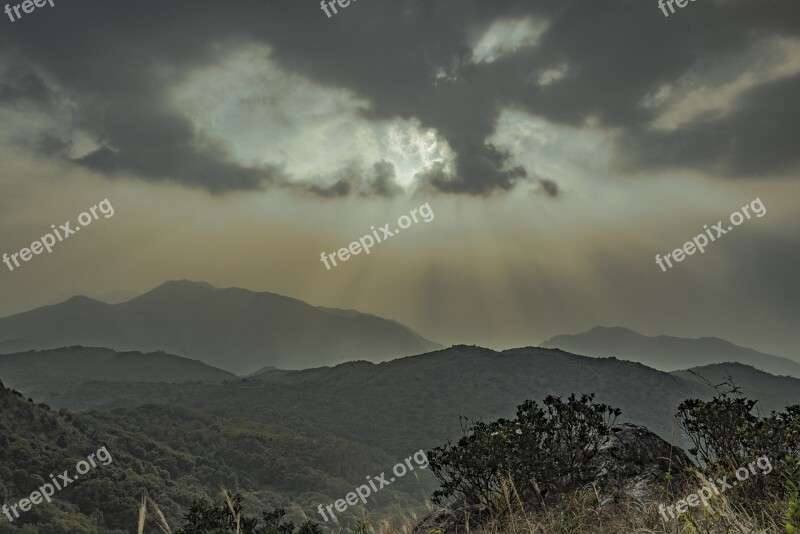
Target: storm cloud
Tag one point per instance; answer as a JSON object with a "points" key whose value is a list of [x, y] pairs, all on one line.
{"points": [[414, 59]]}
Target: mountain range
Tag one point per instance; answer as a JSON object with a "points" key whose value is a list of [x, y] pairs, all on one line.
{"points": [[300, 438], [179, 428], [669, 353], [37, 372], [416, 401], [233, 329], [243, 332]]}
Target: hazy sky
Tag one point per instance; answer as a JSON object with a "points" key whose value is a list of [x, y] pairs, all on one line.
{"points": [[561, 145]]}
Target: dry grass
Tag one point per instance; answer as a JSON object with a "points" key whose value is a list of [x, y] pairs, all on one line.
{"points": [[161, 521], [236, 516], [142, 515], [582, 512]]}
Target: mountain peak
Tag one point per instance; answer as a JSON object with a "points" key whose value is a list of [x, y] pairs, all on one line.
{"points": [[184, 284], [230, 328], [175, 289], [82, 302], [613, 331], [669, 353], [78, 299]]}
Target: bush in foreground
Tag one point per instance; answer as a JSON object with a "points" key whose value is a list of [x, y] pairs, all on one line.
{"points": [[535, 473]]}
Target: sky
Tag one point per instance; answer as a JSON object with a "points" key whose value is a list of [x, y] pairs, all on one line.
{"points": [[560, 144]]}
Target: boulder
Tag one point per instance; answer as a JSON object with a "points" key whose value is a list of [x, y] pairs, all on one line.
{"points": [[631, 464]]}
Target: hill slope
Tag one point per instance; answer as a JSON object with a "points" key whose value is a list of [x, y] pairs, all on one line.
{"points": [[669, 353], [416, 401], [300, 438], [35, 372], [769, 390], [174, 456], [232, 329], [36, 442]]}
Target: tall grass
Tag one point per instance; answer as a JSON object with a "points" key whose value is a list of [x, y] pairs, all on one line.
{"points": [[161, 521], [584, 511]]}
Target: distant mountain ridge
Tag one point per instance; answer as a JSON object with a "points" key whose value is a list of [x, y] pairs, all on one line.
{"points": [[769, 390], [668, 353], [416, 401], [37, 372], [308, 436], [233, 329]]}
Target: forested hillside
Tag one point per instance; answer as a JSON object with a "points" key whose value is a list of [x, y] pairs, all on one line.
{"points": [[39, 372], [175, 456], [416, 401]]}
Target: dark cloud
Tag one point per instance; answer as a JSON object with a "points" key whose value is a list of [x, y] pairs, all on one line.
{"points": [[382, 181], [175, 161], [759, 136], [52, 145], [22, 83], [549, 187], [480, 170], [378, 181], [118, 61], [339, 189]]}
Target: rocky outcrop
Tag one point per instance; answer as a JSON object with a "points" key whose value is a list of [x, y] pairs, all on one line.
{"points": [[631, 464], [634, 463]]}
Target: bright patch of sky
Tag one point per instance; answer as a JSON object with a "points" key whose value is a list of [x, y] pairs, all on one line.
{"points": [[506, 36], [262, 114]]}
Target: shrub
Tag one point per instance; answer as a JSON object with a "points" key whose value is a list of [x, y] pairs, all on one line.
{"points": [[545, 451], [205, 517], [727, 434]]}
